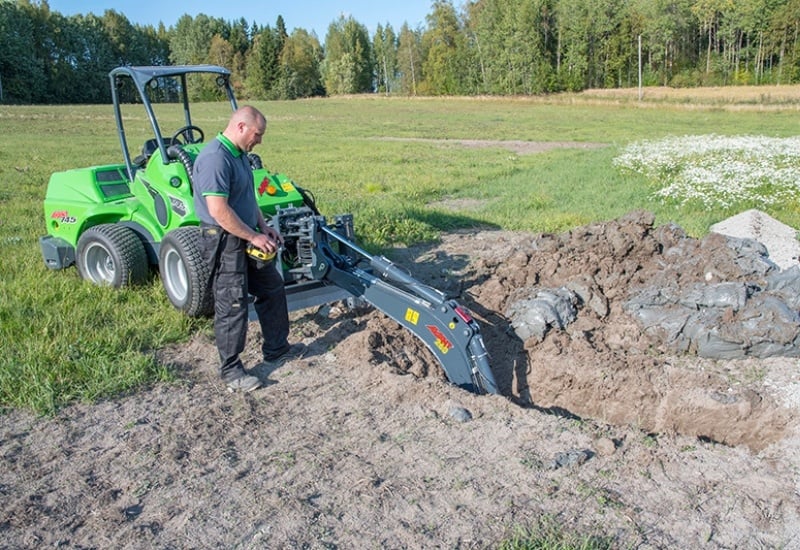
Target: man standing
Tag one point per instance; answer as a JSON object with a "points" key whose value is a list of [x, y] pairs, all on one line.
{"points": [[225, 201]]}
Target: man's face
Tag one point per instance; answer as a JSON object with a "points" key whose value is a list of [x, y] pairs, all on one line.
{"points": [[252, 135]]}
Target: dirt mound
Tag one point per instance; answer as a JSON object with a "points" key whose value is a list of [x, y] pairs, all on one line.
{"points": [[638, 299], [611, 422]]}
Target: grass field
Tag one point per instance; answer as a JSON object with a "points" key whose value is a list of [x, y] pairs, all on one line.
{"points": [[64, 340]]}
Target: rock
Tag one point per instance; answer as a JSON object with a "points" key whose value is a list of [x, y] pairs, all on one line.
{"points": [[779, 239], [605, 446], [460, 414], [570, 458]]}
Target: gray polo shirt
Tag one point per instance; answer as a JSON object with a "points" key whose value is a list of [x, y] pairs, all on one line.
{"points": [[221, 169]]}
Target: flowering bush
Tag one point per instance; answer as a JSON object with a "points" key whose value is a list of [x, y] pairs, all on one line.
{"points": [[719, 170]]}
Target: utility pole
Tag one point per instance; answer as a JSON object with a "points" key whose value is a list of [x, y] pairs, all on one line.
{"points": [[640, 67]]}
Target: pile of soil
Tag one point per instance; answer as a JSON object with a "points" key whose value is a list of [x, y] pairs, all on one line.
{"points": [[606, 425]]}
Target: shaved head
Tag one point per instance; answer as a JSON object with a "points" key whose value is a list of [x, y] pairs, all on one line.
{"points": [[246, 127], [249, 115]]}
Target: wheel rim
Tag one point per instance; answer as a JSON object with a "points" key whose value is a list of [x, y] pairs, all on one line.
{"points": [[100, 265], [175, 278]]}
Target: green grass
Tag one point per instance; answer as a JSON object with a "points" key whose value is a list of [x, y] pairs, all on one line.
{"points": [[549, 534], [64, 340], [330, 146]]}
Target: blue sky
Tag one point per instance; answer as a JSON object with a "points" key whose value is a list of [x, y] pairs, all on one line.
{"points": [[311, 15]]}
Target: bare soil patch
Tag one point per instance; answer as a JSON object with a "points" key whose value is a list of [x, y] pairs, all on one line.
{"points": [[363, 443]]}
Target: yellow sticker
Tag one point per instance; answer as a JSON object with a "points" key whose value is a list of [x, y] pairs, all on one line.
{"points": [[288, 187], [412, 316]]}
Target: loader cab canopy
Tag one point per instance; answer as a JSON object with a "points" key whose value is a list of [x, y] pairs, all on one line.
{"points": [[166, 94], [143, 75]]}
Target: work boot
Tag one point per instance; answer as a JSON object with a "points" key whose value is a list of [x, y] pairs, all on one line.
{"points": [[295, 351], [244, 383]]}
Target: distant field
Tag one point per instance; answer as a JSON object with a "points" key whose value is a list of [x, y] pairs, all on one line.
{"points": [[740, 97], [732, 98], [407, 168]]}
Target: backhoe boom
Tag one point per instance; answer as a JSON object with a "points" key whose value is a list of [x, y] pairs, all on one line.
{"points": [[446, 328]]}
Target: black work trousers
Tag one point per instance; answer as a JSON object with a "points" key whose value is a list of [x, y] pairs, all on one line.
{"points": [[235, 275]]}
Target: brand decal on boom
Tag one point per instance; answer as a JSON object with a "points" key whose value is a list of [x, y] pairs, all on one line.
{"points": [[442, 343]]}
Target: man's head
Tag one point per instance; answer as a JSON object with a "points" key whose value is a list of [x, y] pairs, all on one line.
{"points": [[246, 128]]}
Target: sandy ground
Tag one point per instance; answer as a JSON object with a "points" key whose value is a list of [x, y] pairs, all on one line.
{"points": [[363, 443]]}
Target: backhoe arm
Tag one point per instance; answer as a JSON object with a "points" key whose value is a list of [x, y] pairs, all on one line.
{"points": [[446, 328]]}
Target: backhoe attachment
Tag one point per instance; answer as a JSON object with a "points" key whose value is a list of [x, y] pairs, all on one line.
{"points": [[320, 255]]}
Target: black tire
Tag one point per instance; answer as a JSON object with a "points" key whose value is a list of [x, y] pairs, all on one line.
{"points": [[110, 254], [255, 161], [184, 274]]}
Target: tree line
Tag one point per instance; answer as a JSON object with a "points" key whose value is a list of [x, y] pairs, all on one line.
{"points": [[497, 47]]}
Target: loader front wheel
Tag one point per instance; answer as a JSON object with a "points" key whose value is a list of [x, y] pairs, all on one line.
{"points": [[184, 274], [110, 254]]}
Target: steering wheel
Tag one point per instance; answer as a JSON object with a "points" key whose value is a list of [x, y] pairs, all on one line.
{"points": [[187, 133]]}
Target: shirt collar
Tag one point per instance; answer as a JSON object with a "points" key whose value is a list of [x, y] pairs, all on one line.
{"points": [[228, 144]]}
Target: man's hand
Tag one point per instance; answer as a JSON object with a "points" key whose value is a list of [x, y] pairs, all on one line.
{"points": [[268, 242], [274, 235]]}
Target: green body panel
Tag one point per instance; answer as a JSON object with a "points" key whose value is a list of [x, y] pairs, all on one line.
{"points": [[77, 199], [159, 199]]}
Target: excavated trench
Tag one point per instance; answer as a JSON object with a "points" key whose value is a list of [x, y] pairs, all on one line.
{"points": [[621, 322]]}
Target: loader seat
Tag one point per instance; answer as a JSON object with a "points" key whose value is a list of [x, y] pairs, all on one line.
{"points": [[150, 146]]}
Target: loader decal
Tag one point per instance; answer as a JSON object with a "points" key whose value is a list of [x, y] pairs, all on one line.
{"points": [[412, 316], [63, 216], [178, 206], [442, 343], [267, 187]]}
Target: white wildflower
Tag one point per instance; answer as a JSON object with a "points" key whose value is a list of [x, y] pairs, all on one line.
{"points": [[718, 170]]}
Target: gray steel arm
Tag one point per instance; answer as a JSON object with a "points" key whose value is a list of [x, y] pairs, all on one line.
{"points": [[445, 328]]}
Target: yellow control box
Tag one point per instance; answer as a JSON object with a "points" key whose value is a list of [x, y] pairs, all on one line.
{"points": [[258, 254]]}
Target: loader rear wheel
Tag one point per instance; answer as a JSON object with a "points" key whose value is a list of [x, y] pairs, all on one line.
{"points": [[110, 254], [184, 274]]}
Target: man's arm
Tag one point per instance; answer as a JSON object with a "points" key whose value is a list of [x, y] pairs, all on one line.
{"points": [[224, 215]]}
